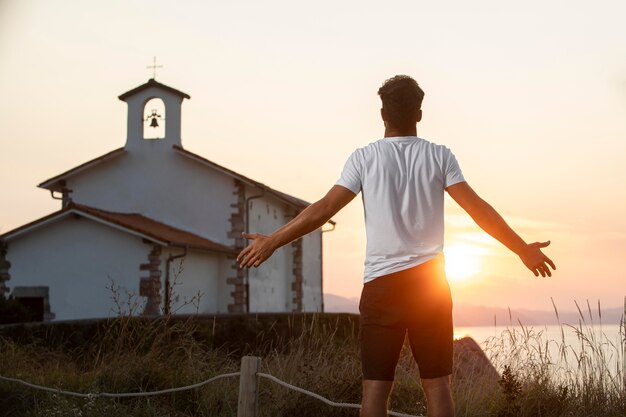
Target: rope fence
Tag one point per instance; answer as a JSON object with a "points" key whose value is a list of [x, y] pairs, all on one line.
{"points": [[324, 399], [117, 395], [247, 405]]}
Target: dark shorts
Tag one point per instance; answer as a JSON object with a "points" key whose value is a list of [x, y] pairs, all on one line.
{"points": [[415, 301]]}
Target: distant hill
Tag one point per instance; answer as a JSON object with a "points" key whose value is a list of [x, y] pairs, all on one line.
{"points": [[338, 304], [471, 315]]}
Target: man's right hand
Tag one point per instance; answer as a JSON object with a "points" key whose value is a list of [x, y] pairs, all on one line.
{"points": [[491, 222], [535, 260]]}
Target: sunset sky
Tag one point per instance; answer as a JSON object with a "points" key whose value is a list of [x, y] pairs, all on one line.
{"points": [[530, 96]]}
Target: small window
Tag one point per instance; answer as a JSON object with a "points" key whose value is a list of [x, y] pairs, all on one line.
{"points": [[154, 119]]}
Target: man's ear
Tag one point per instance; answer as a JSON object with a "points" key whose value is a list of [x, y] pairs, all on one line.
{"points": [[418, 116], [383, 116]]}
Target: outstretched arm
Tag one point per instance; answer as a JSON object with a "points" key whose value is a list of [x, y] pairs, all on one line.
{"points": [[311, 218], [491, 222]]}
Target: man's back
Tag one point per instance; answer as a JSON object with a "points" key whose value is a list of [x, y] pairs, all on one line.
{"points": [[402, 180]]}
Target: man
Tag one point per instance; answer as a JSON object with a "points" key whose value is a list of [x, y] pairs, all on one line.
{"points": [[402, 179]]}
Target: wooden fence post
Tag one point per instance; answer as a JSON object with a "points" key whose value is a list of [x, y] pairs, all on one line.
{"points": [[248, 387]]}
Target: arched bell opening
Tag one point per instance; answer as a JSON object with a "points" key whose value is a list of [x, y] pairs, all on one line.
{"points": [[154, 119]]}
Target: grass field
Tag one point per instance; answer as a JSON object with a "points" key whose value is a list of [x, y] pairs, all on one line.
{"points": [[316, 352]]}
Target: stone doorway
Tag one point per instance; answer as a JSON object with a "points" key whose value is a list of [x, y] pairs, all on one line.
{"points": [[36, 299]]}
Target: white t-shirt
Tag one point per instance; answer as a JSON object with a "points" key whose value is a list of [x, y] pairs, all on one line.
{"points": [[402, 180]]}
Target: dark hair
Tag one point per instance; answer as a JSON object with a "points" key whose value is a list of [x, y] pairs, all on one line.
{"points": [[402, 98]]}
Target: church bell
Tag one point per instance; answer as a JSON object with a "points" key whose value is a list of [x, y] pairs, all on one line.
{"points": [[153, 118]]}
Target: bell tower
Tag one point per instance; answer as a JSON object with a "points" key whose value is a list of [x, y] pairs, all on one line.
{"points": [[154, 115]]}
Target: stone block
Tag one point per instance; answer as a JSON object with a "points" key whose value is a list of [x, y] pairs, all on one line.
{"points": [[149, 287], [234, 280], [151, 309], [144, 289], [236, 223], [237, 297], [232, 308]]}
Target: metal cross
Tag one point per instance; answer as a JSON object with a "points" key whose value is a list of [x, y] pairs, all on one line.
{"points": [[154, 67]]}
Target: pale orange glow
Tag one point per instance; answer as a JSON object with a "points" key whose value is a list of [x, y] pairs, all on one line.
{"points": [[463, 261], [507, 106]]}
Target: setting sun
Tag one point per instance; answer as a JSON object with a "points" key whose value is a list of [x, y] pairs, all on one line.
{"points": [[463, 261]]}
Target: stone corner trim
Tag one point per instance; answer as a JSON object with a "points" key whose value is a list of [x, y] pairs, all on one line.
{"points": [[4, 269], [296, 285], [150, 286], [237, 226]]}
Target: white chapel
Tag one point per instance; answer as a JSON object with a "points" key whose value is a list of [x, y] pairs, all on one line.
{"points": [[162, 226]]}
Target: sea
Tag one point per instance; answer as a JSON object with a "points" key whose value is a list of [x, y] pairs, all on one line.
{"points": [[566, 347]]}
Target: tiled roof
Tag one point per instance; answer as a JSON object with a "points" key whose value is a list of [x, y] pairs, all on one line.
{"points": [[131, 222]]}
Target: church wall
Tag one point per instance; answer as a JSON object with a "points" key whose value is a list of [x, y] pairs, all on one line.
{"points": [[223, 287], [195, 272], [77, 258], [270, 284], [312, 272], [163, 185]]}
